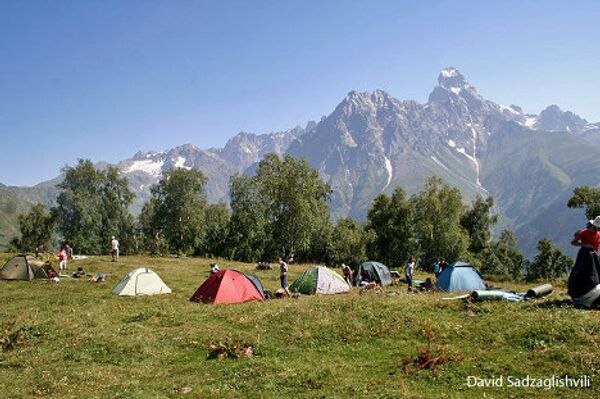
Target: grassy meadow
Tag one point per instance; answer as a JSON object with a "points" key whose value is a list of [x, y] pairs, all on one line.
{"points": [[75, 339]]}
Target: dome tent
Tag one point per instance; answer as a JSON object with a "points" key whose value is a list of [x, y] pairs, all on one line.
{"points": [[23, 267], [460, 276], [319, 280], [373, 271], [229, 286], [141, 281]]}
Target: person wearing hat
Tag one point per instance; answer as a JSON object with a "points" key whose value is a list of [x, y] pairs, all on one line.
{"points": [[584, 280]]}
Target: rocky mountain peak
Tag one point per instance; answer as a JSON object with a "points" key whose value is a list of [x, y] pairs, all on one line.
{"points": [[554, 119], [451, 78]]}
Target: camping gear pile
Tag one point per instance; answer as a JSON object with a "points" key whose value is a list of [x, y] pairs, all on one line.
{"points": [[498, 294], [263, 266]]}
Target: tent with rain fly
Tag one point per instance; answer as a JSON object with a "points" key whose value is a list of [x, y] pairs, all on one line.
{"points": [[373, 272], [141, 281], [319, 280], [460, 276], [229, 286], [23, 267]]}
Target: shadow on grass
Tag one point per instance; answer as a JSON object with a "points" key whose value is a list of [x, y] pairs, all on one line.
{"points": [[556, 303]]}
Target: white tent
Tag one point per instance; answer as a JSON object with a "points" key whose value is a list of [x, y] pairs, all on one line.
{"points": [[141, 281]]}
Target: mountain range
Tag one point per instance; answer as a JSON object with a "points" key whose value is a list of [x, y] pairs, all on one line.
{"points": [[373, 142]]}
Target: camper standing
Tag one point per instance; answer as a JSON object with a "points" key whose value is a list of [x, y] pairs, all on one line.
{"points": [[62, 260], [409, 272], [436, 268], [115, 249], [584, 280], [69, 252], [283, 275]]}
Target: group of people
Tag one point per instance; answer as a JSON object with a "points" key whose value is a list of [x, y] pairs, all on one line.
{"points": [[583, 284], [66, 253]]}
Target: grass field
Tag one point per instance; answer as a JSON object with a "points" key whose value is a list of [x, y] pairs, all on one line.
{"points": [[75, 339]]}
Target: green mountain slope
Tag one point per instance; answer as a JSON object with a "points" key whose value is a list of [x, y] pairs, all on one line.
{"points": [[532, 175]]}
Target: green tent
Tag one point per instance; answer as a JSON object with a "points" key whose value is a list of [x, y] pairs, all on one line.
{"points": [[373, 271], [319, 280], [23, 267]]}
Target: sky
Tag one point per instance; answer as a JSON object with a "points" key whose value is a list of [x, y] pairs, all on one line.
{"points": [[105, 79]]}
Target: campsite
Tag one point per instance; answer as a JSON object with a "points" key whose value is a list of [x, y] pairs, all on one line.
{"points": [[76, 338]]}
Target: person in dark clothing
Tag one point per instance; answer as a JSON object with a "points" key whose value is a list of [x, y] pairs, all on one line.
{"points": [[584, 280]]}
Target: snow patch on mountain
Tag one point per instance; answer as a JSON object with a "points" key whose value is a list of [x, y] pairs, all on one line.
{"points": [[475, 160], [437, 161], [449, 72], [149, 166], [530, 121], [180, 163], [388, 167], [509, 109]]}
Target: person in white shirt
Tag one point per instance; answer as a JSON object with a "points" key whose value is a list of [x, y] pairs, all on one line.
{"points": [[409, 272], [115, 249], [283, 276]]}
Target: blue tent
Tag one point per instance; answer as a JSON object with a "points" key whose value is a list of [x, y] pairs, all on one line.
{"points": [[460, 276]]}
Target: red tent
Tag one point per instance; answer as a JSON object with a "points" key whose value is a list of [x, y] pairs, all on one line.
{"points": [[227, 286]]}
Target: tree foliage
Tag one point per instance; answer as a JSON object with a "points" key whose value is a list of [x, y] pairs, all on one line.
{"points": [[438, 210], [586, 197], [216, 223], [36, 227], [277, 211], [503, 257], [550, 262], [390, 228], [174, 217], [478, 221], [248, 232], [92, 206], [347, 243]]}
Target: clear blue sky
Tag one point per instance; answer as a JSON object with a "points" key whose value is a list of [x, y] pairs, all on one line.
{"points": [[104, 79]]}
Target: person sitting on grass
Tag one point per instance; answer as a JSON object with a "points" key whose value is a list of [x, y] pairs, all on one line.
{"points": [[584, 280], [427, 285]]}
